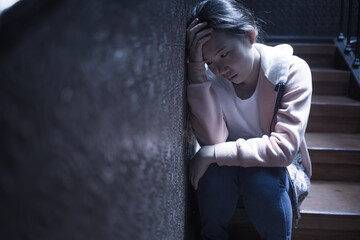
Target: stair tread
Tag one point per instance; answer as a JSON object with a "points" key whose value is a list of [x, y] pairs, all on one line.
{"points": [[329, 69], [332, 198], [334, 100], [333, 141]]}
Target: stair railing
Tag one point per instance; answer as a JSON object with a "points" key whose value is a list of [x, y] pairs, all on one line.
{"points": [[356, 62], [352, 45], [341, 22]]}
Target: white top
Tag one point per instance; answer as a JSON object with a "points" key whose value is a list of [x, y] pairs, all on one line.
{"points": [[247, 118], [242, 116]]}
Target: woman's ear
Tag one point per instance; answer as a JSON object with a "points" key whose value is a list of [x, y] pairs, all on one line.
{"points": [[251, 35]]}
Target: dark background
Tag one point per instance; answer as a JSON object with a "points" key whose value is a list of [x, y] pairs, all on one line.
{"points": [[94, 133], [306, 19]]}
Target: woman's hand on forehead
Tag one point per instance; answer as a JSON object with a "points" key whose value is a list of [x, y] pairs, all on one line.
{"points": [[197, 34]]}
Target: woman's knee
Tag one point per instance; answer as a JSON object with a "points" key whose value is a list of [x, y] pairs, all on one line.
{"points": [[263, 181], [216, 178]]}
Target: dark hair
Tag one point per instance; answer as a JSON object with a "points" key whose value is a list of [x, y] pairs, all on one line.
{"points": [[228, 15]]}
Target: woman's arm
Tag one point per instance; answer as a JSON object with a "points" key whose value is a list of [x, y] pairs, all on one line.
{"points": [[206, 114]]}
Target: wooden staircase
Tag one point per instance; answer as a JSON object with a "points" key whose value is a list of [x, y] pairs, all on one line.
{"points": [[332, 210]]}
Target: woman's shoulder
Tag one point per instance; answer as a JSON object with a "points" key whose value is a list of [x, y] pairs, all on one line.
{"points": [[278, 62], [274, 50]]}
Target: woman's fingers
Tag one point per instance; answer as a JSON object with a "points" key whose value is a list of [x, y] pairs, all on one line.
{"points": [[197, 34], [202, 33], [194, 28], [198, 27], [196, 43], [190, 29], [191, 32], [193, 23], [195, 49]]}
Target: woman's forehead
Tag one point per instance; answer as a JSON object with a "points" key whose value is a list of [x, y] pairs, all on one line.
{"points": [[218, 41]]}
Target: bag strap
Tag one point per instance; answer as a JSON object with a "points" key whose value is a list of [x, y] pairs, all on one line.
{"points": [[280, 88]]}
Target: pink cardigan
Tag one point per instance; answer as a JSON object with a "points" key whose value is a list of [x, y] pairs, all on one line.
{"points": [[275, 149]]}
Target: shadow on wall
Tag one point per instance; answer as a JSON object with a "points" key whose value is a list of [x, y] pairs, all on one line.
{"points": [[94, 140]]}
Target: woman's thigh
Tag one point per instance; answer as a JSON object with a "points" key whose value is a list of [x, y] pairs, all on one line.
{"points": [[218, 194], [265, 195]]}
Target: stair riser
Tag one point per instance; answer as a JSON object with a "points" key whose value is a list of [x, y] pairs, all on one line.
{"points": [[319, 61], [334, 118], [334, 172], [331, 124], [317, 56], [329, 222], [327, 227], [322, 110], [330, 88], [310, 234], [330, 76], [332, 156], [310, 50]]}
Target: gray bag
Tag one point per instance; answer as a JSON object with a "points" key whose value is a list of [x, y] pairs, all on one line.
{"points": [[300, 183]]}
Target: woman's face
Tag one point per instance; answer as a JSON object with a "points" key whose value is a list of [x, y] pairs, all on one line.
{"points": [[229, 57]]}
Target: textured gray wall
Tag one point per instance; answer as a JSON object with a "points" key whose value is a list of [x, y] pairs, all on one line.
{"points": [[305, 18], [94, 140]]}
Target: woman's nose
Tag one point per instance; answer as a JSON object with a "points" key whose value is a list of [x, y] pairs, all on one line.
{"points": [[222, 68]]}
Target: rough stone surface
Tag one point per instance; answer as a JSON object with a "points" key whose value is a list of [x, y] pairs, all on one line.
{"points": [[309, 18], [94, 139]]}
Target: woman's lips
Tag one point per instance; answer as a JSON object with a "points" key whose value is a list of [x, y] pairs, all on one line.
{"points": [[232, 77]]}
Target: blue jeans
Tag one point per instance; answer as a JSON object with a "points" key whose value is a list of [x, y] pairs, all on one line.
{"points": [[264, 192]]}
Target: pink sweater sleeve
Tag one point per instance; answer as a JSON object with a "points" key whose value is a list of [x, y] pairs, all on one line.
{"points": [[278, 149], [207, 117]]}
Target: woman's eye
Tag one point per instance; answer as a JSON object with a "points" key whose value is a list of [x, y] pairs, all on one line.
{"points": [[224, 54]]}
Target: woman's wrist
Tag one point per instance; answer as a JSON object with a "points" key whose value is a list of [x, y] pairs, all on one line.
{"points": [[197, 72], [208, 154]]}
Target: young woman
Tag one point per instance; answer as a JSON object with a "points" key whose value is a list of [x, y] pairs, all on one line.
{"points": [[249, 108]]}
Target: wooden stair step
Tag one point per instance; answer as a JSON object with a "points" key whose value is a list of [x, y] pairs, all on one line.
{"points": [[329, 81], [314, 48], [331, 211], [335, 101], [334, 156], [334, 114], [316, 55], [333, 198], [333, 141]]}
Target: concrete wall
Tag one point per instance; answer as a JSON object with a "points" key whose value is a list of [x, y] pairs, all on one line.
{"points": [[298, 18], [94, 140]]}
